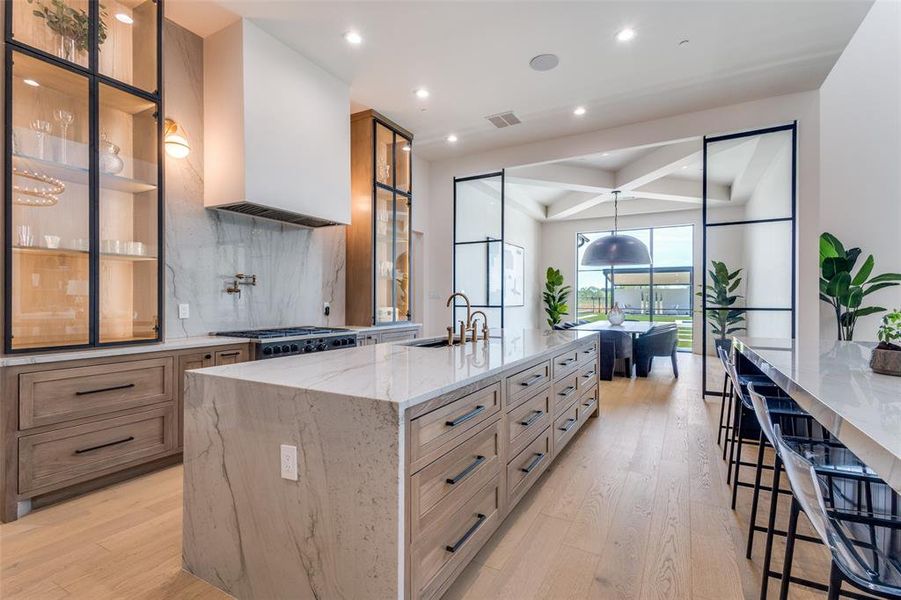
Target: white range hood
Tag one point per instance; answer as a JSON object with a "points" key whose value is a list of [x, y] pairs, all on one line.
{"points": [[276, 131]]}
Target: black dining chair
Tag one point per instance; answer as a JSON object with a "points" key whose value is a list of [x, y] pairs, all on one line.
{"points": [[615, 345], [660, 340]]}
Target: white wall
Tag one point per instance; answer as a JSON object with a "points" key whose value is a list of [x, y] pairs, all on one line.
{"points": [[860, 122], [750, 115], [524, 231]]}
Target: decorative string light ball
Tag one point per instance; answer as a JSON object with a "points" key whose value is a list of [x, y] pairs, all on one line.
{"points": [[46, 194]]}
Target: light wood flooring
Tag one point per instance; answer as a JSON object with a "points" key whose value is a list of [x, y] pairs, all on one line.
{"points": [[636, 507]]}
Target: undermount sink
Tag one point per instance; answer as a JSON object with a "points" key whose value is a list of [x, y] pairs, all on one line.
{"points": [[430, 343]]}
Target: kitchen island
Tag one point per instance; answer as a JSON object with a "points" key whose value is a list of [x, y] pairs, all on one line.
{"points": [[408, 459], [833, 382]]}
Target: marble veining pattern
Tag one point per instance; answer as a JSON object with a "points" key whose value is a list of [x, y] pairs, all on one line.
{"points": [[834, 383], [402, 374], [297, 269]]}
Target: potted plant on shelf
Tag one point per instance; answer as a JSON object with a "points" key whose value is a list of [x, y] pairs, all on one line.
{"points": [[886, 357], [719, 295], [70, 25], [845, 292], [555, 296]]}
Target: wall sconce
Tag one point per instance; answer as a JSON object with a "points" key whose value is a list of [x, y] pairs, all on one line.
{"points": [[176, 144]]}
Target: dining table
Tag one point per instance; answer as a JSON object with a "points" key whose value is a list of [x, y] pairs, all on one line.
{"points": [[833, 382], [608, 355], [633, 328]]}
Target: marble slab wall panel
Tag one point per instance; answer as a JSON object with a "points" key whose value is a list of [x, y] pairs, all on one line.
{"points": [[334, 533], [297, 269]]}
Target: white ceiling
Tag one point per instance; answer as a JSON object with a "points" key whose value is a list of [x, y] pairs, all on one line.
{"points": [[473, 57], [659, 178]]}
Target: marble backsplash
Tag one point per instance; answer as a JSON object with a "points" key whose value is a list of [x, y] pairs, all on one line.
{"points": [[297, 269]]}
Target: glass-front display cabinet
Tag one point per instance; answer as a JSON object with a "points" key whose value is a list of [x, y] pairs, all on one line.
{"points": [[378, 239], [83, 181]]}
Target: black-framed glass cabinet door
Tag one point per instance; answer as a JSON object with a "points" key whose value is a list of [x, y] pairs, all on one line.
{"points": [[83, 174]]}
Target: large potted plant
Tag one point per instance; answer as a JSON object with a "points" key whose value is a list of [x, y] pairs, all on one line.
{"points": [[70, 25], [886, 358], [844, 290], [720, 295], [555, 297]]}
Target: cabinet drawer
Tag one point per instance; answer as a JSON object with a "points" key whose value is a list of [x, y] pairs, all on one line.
{"points": [[73, 454], [523, 384], [527, 467], [59, 395], [442, 552], [526, 420], [587, 376], [565, 363], [442, 428], [588, 354], [588, 403], [438, 490], [394, 336], [566, 390], [565, 426], [230, 357]]}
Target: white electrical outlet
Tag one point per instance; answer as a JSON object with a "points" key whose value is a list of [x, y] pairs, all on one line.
{"points": [[289, 462], [184, 311], [326, 308]]}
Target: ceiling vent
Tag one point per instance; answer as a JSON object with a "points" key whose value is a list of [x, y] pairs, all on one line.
{"points": [[504, 119]]}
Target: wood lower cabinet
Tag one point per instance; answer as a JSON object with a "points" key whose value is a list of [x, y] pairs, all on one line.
{"points": [[474, 455], [72, 426], [376, 335]]}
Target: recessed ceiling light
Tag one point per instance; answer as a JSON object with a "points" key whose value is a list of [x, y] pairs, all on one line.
{"points": [[544, 62], [451, 138], [31, 82], [605, 154], [123, 18], [625, 35], [353, 38], [422, 93], [579, 111], [684, 166]]}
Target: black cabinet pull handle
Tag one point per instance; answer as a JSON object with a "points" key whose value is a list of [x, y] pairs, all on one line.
{"points": [[539, 456], [589, 351], [567, 390], [207, 356], [466, 417], [570, 423], [589, 403], [107, 445], [106, 389], [468, 534], [223, 354], [462, 474], [532, 380], [568, 361], [536, 414], [589, 374]]}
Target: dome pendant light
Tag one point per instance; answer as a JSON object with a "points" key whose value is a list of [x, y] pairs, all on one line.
{"points": [[616, 249]]}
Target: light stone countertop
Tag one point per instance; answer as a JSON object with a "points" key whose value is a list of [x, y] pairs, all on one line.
{"points": [[405, 375], [170, 345], [387, 326], [834, 383]]}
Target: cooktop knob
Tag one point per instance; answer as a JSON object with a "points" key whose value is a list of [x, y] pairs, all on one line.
{"points": [[277, 349], [321, 346], [336, 343], [267, 350], [286, 348], [294, 348], [308, 348]]}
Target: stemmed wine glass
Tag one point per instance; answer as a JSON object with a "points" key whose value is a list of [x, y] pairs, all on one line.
{"points": [[64, 118], [41, 128]]}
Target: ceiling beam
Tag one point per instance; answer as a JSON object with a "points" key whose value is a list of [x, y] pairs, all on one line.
{"points": [[681, 190], [574, 203], [563, 177], [659, 163]]}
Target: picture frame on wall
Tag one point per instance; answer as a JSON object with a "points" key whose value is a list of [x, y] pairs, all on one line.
{"points": [[514, 275]]}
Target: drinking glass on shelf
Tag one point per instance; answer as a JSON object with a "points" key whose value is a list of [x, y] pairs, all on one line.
{"points": [[65, 118], [24, 236], [42, 129]]}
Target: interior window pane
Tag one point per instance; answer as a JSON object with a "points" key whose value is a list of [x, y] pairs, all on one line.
{"points": [[478, 210], [763, 252], [39, 24], [384, 155], [128, 42], [750, 178]]}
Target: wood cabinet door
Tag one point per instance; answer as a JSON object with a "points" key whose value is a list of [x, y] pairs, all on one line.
{"points": [[230, 357]]}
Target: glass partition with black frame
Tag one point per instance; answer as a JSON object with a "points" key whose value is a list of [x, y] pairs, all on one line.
{"points": [[749, 210], [478, 246], [658, 292]]}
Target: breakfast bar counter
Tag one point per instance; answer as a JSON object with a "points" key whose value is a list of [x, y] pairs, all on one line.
{"points": [[834, 383]]}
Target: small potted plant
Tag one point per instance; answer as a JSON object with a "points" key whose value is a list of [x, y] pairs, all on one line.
{"points": [[886, 358], [555, 296], [721, 295]]}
